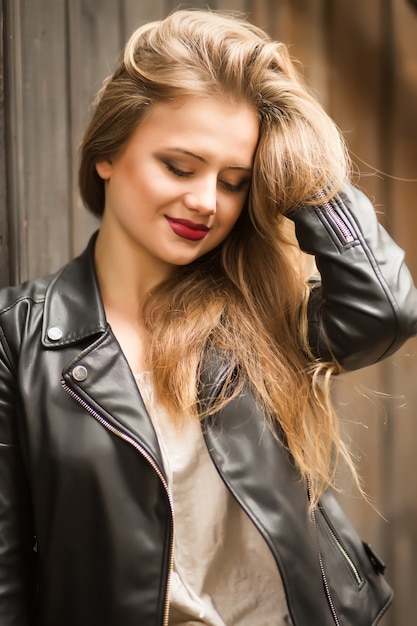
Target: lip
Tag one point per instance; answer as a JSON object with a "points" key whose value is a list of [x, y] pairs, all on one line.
{"points": [[186, 229]]}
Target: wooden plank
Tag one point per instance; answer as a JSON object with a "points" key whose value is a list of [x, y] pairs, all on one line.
{"points": [[171, 5], [37, 103], [302, 27], [403, 129], [95, 41], [240, 6], [402, 159], [258, 12], [14, 141], [45, 140], [136, 13], [401, 485], [4, 230], [355, 54], [307, 39]]}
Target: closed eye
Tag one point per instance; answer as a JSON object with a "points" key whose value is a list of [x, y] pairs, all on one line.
{"points": [[235, 188], [242, 186], [177, 172]]}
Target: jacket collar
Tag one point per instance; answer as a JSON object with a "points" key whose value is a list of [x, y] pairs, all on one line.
{"points": [[73, 307]]}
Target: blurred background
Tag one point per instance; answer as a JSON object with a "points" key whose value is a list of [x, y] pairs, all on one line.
{"points": [[360, 59]]}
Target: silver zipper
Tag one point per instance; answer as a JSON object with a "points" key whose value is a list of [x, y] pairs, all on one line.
{"points": [[154, 466], [345, 231], [322, 570], [343, 551]]}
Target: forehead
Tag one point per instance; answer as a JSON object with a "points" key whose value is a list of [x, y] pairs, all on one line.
{"points": [[205, 125]]}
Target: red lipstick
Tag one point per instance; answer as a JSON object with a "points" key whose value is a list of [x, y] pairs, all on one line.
{"points": [[187, 229]]}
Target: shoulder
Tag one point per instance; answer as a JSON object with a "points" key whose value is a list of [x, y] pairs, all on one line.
{"points": [[32, 291], [22, 310]]}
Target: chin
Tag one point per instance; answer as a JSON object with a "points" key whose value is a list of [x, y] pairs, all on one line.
{"points": [[185, 259], [188, 261]]}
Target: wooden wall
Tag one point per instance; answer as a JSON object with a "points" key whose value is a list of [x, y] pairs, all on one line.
{"points": [[361, 59]]}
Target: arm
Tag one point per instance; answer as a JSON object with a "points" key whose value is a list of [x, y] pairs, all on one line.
{"points": [[16, 539], [365, 307]]}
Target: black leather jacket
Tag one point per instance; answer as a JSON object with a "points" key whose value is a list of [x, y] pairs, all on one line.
{"points": [[85, 516]]}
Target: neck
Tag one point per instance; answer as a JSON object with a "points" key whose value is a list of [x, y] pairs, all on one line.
{"points": [[125, 274]]}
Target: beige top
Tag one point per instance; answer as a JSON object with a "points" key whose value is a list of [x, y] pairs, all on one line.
{"points": [[224, 573]]}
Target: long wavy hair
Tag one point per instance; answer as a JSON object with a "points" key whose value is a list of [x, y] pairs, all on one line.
{"points": [[245, 300]]}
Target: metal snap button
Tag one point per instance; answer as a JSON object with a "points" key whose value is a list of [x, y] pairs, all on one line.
{"points": [[79, 373], [54, 333]]}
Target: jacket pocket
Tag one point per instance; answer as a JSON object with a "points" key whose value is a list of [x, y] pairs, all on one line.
{"points": [[352, 573], [341, 551]]}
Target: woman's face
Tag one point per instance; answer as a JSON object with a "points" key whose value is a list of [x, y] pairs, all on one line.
{"points": [[178, 186]]}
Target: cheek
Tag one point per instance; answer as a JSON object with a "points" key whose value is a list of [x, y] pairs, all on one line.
{"points": [[140, 189], [234, 211], [155, 186]]}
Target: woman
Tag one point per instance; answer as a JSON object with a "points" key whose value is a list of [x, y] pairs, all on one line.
{"points": [[166, 431]]}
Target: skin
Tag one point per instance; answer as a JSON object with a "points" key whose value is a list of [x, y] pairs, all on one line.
{"points": [[172, 194]]}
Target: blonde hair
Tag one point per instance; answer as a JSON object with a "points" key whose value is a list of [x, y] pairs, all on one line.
{"points": [[246, 299]]}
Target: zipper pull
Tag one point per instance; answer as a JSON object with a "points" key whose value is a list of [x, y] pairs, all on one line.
{"points": [[378, 564]]}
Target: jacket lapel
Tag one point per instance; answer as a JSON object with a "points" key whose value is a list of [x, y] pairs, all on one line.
{"points": [[74, 317]]}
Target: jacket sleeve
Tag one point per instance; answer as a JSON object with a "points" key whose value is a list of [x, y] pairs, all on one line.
{"points": [[16, 538], [364, 307]]}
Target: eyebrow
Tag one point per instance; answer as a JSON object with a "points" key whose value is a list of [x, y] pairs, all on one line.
{"points": [[204, 160]]}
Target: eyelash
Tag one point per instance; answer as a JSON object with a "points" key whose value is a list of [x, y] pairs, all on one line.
{"points": [[234, 188], [176, 171], [183, 174]]}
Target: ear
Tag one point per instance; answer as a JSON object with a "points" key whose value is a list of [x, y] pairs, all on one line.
{"points": [[104, 168]]}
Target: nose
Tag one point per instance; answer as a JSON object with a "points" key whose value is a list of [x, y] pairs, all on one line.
{"points": [[202, 197]]}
